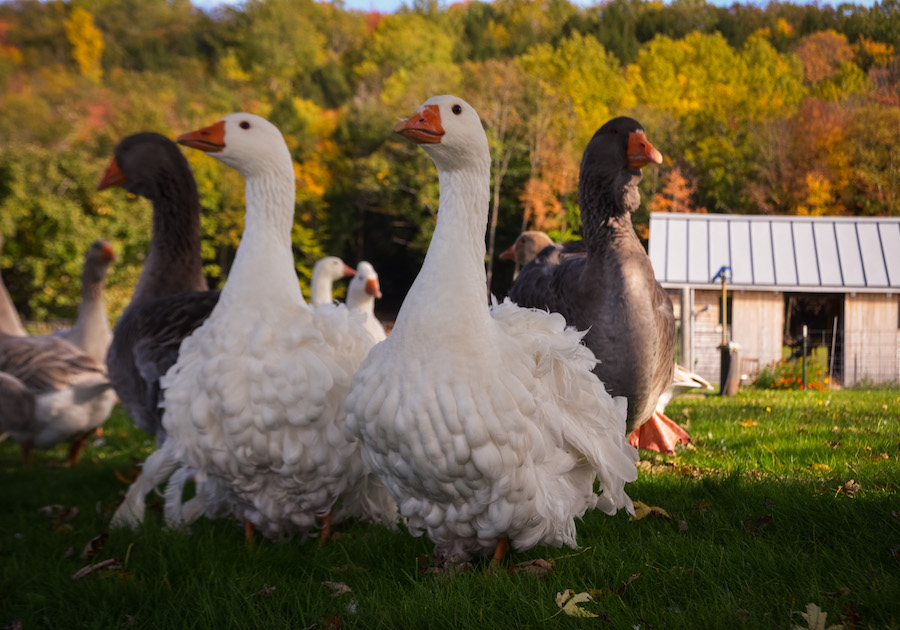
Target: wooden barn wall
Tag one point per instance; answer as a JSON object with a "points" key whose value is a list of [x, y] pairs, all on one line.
{"points": [[757, 323], [871, 338], [758, 326]]}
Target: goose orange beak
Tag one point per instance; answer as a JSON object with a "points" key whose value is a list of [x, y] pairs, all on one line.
{"points": [[108, 253], [349, 271], [640, 151], [209, 139], [509, 253], [373, 288], [423, 128], [112, 176]]}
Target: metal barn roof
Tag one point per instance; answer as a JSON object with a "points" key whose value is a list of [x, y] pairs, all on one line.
{"points": [[820, 254]]}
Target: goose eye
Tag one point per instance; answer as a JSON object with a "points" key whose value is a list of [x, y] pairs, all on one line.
{"points": [[456, 109], [245, 124]]}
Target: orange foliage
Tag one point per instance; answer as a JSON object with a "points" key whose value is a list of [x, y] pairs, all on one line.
{"points": [[822, 53], [676, 195]]}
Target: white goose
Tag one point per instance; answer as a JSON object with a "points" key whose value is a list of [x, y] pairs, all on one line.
{"points": [[361, 294], [256, 399], [486, 425], [325, 273]]}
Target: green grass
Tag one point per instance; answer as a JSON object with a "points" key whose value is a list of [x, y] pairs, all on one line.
{"points": [[760, 527]]}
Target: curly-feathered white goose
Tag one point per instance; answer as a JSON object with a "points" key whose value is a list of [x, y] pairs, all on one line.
{"points": [[255, 402], [486, 424]]}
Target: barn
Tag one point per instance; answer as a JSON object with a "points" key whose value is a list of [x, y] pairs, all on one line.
{"points": [[838, 276]]}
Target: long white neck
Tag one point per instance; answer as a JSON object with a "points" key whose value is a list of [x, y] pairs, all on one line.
{"points": [[321, 287], [450, 291], [91, 330], [264, 265]]}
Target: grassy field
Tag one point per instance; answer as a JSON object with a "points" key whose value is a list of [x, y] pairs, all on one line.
{"points": [[785, 499]]}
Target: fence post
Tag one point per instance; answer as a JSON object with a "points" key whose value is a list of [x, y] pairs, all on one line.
{"points": [[805, 337]]}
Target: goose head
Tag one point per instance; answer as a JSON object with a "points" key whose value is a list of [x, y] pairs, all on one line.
{"points": [[96, 261], [364, 283], [248, 143], [146, 164], [527, 246], [450, 132], [611, 167]]}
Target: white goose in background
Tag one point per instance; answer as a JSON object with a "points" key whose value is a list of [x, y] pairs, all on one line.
{"points": [[361, 294], [255, 401], [325, 273], [10, 322], [486, 424], [91, 331]]}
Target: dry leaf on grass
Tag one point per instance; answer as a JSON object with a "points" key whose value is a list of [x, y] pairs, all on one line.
{"points": [[849, 488], [641, 510], [539, 567], [339, 588], [94, 546], [631, 578], [106, 565], [815, 619], [748, 422], [568, 603], [265, 592], [756, 525]]}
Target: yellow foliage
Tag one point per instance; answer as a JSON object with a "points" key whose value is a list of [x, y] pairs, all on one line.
{"points": [[231, 68], [783, 27], [87, 43]]}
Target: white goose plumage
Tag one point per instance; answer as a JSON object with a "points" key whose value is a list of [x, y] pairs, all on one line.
{"points": [[485, 424], [361, 294], [325, 273], [255, 402]]}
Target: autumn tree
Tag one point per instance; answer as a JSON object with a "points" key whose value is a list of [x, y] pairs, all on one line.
{"points": [[87, 43]]}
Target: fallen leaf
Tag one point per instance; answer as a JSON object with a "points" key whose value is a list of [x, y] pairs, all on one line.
{"points": [[94, 546], [641, 510], [70, 553], [631, 578], [266, 591], [106, 565], [815, 619], [873, 457], [15, 624], [850, 488], [682, 526], [339, 588], [820, 467], [539, 567], [896, 514], [832, 444], [331, 623], [742, 614], [748, 422], [756, 525], [568, 602], [52, 510], [841, 592]]}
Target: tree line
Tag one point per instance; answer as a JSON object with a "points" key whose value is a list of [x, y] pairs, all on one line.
{"points": [[782, 109]]}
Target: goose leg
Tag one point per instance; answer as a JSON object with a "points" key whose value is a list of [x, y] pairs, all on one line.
{"points": [[75, 451], [500, 552], [248, 532], [326, 526], [158, 467], [26, 454], [659, 434]]}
